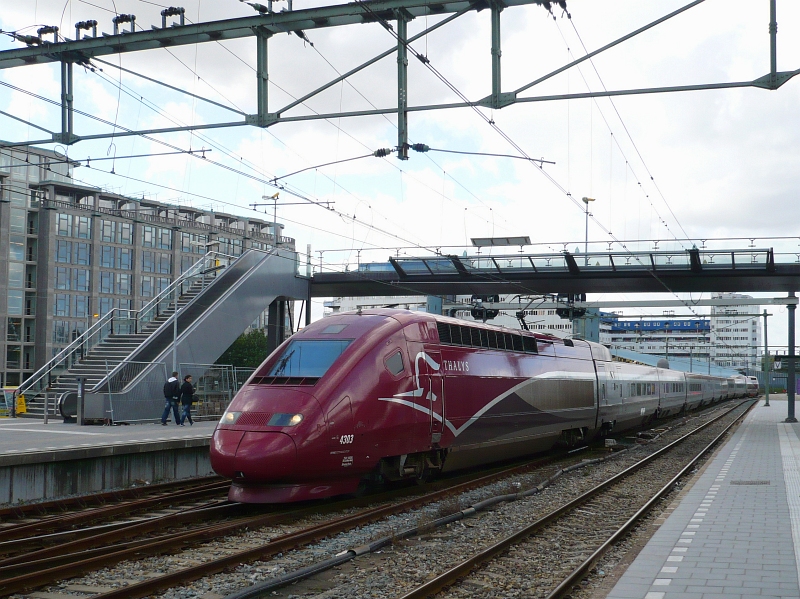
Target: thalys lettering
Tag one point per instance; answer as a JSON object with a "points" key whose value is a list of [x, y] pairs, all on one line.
{"points": [[456, 365], [280, 439]]}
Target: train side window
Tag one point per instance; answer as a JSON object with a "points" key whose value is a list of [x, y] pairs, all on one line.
{"points": [[444, 332], [529, 344], [510, 345], [491, 337], [484, 337], [517, 342], [394, 363]]}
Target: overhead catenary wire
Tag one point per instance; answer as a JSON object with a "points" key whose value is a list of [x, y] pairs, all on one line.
{"points": [[627, 132], [427, 63], [614, 139]]}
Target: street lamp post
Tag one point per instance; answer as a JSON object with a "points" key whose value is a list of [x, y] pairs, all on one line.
{"points": [[586, 244]]}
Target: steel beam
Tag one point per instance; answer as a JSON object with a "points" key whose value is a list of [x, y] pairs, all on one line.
{"points": [[773, 43], [277, 22], [66, 136], [371, 61], [496, 8], [402, 87], [262, 76]]}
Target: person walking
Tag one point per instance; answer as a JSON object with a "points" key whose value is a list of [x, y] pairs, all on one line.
{"points": [[172, 392], [187, 393]]}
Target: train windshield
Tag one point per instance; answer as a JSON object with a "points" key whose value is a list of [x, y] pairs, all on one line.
{"points": [[308, 358]]}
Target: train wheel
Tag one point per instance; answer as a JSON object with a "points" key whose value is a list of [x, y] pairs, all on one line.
{"points": [[423, 474]]}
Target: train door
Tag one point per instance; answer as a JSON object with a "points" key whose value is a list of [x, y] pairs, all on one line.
{"points": [[433, 382], [603, 381]]}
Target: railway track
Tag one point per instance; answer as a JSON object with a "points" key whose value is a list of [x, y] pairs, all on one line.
{"points": [[78, 523], [225, 545], [599, 514], [33, 569]]}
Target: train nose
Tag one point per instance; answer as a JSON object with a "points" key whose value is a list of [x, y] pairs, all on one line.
{"points": [[263, 457]]}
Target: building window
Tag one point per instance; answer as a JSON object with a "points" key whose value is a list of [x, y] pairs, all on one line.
{"points": [[62, 277], [61, 331], [16, 247], [106, 282], [123, 284], [147, 287], [124, 258], [107, 256], [125, 233], [61, 307], [162, 284], [81, 306], [64, 225], [83, 227], [165, 239], [15, 302], [15, 274], [108, 230], [83, 254], [63, 251], [165, 264], [147, 262], [105, 306], [148, 236], [17, 221], [81, 279]]}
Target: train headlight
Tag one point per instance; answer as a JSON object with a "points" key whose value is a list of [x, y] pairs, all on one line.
{"points": [[285, 420], [230, 417]]}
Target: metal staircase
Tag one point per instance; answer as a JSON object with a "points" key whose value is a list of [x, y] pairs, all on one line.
{"points": [[125, 356], [104, 357]]}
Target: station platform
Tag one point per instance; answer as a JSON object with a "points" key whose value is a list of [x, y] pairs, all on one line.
{"points": [[46, 461], [735, 532]]}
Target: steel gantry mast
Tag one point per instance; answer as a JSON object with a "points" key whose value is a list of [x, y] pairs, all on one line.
{"points": [[268, 23]]}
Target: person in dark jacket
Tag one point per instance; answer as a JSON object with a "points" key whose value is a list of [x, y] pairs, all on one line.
{"points": [[187, 392], [172, 392]]}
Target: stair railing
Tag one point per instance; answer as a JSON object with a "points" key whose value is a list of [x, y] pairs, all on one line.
{"points": [[204, 270], [123, 320], [40, 380]]}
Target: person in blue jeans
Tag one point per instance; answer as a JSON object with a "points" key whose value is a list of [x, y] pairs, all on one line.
{"points": [[172, 392], [187, 392]]}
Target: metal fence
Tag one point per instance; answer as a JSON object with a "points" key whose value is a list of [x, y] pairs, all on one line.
{"points": [[777, 380], [216, 385]]}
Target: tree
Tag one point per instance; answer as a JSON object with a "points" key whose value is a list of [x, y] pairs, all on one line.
{"points": [[248, 351]]}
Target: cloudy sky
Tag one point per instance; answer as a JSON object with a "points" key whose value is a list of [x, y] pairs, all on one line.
{"points": [[724, 164]]}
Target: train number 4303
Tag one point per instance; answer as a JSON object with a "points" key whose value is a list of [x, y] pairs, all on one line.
{"points": [[346, 439]]}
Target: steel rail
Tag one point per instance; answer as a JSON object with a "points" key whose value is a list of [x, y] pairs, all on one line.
{"points": [[56, 544], [21, 511], [564, 587], [281, 544], [20, 531], [449, 577]]}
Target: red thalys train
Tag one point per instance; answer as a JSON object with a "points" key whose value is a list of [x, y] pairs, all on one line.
{"points": [[392, 394]]}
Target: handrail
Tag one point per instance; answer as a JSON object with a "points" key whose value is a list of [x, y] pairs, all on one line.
{"points": [[70, 349], [192, 271]]}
